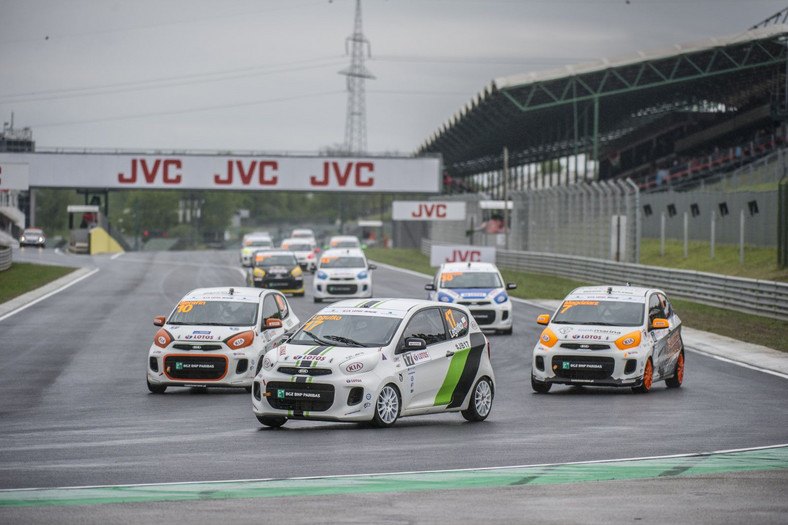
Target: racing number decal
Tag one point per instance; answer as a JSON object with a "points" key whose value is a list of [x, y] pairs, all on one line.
{"points": [[450, 319], [186, 306], [318, 319], [569, 304]]}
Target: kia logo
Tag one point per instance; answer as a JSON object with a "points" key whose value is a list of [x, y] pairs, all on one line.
{"points": [[354, 367]]}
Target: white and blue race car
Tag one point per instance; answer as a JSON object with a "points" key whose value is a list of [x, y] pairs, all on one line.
{"points": [[480, 287]]}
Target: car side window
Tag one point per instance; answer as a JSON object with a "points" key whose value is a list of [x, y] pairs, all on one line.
{"points": [[655, 309], [428, 325], [284, 310], [456, 322], [666, 305], [270, 308]]}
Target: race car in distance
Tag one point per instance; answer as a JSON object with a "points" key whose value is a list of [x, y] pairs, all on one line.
{"points": [[610, 336], [344, 241], [375, 361], [33, 237], [278, 269], [480, 287], [342, 274], [217, 337], [252, 243], [305, 251]]}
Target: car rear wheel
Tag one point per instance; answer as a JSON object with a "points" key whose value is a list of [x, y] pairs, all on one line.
{"points": [[678, 374], [539, 387], [648, 378], [156, 389], [273, 422], [387, 407], [481, 401]]}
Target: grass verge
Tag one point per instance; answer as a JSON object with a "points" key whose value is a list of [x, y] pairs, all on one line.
{"points": [[743, 327], [24, 277]]}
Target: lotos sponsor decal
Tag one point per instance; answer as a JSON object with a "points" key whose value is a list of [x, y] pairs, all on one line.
{"points": [[354, 367], [420, 356], [309, 358], [587, 336]]}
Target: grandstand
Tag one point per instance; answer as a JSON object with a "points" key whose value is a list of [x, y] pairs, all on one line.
{"points": [[663, 118]]}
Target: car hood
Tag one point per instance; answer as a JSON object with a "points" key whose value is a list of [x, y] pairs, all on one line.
{"points": [[342, 272], [347, 360], [471, 293], [277, 270], [196, 333], [590, 334]]}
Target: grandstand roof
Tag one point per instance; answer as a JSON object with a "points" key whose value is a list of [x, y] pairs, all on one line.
{"points": [[584, 107]]}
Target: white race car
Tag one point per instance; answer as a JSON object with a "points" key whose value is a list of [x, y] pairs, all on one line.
{"points": [[341, 274], [480, 287], [305, 251], [375, 361], [610, 336], [217, 337], [252, 243]]}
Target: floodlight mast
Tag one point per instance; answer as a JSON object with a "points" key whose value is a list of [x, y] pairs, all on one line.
{"points": [[356, 120]]}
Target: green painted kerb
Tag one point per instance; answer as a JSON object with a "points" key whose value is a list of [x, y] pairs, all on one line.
{"points": [[764, 459]]}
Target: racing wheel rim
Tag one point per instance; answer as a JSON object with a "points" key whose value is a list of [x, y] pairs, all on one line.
{"points": [[388, 405], [648, 376], [482, 398], [680, 369]]}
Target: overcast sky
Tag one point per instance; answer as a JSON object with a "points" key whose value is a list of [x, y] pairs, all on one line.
{"points": [[262, 75]]}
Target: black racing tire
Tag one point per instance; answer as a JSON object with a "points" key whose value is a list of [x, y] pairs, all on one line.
{"points": [[648, 379], [156, 389], [387, 406], [678, 373], [481, 401], [318, 300], [273, 422], [539, 387], [508, 331]]}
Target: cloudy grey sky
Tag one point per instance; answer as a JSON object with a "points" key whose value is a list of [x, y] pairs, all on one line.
{"points": [[262, 75]]}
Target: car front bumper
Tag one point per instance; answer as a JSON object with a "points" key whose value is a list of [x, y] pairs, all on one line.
{"points": [[611, 367]]}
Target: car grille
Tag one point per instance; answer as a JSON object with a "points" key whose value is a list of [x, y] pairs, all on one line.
{"points": [[192, 367], [303, 371], [300, 397], [585, 346], [484, 316], [474, 303], [200, 347], [341, 289], [583, 367]]}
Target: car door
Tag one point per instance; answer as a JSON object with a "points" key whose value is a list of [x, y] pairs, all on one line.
{"points": [[659, 336], [673, 344], [426, 367]]}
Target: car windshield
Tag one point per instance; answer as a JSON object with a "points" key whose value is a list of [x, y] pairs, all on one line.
{"points": [[260, 243], [347, 330], [298, 247], [607, 313], [283, 259], [216, 313], [470, 280], [342, 262]]}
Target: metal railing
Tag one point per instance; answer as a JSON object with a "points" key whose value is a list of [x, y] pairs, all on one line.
{"points": [[5, 257], [752, 296]]}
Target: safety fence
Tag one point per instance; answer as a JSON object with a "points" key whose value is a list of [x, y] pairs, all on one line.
{"points": [[5, 257], [753, 296]]}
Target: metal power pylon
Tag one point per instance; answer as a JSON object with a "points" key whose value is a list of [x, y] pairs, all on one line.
{"points": [[356, 123]]}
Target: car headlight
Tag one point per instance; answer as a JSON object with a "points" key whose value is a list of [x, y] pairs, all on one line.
{"points": [[627, 341], [296, 272], [548, 338], [321, 275], [259, 272], [363, 275], [501, 298], [241, 340], [445, 298], [162, 338]]}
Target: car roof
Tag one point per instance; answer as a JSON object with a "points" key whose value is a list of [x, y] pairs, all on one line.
{"points": [[339, 252], [225, 293], [297, 240], [274, 251], [468, 267], [344, 238], [381, 307], [33, 229], [609, 292]]}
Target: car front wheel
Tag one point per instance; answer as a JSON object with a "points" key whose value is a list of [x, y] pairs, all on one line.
{"points": [[481, 401], [539, 387], [273, 422], [648, 377], [156, 389], [387, 407]]}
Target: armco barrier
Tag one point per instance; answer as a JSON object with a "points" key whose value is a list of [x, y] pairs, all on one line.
{"points": [[753, 296], [5, 258]]}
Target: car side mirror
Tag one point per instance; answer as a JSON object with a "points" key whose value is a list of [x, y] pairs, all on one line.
{"points": [[543, 319], [272, 323], [412, 343], [372, 266], [659, 323], [430, 287], [159, 320], [511, 286]]}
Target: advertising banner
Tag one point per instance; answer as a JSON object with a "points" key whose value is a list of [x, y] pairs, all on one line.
{"points": [[230, 172], [427, 211], [460, 253]]}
